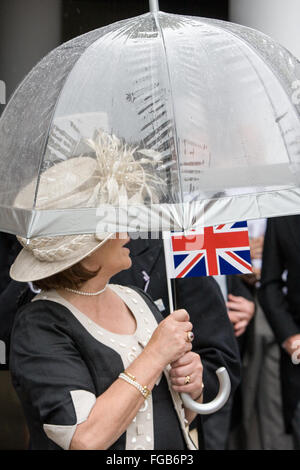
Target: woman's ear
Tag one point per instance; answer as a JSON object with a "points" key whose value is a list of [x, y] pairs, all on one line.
{"points": [[91, 263]]}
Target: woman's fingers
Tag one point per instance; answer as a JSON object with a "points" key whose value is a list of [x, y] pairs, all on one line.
{"points": [[181, 371], [186, 373], [181, 315], [189, 388], [180, 381], [186, 326], [186, 365], [194, 380], [170, 340], [188, 346], [184, 360]]}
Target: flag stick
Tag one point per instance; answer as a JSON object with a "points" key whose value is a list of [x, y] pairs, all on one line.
{"points": [[222, 374], [166, 239]]}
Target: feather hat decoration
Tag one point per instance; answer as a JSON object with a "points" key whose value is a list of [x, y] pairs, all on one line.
{"points": [[114, 173], [123, 177]]}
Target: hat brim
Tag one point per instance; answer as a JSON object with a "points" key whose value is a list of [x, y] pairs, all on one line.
{"points": [[27, 268]]}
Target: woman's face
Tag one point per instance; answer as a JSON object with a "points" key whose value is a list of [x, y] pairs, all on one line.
{"points": [[112, 257]]}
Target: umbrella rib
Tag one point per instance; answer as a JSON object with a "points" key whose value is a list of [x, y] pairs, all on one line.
{"points": [[269, 98], [173, 110]]}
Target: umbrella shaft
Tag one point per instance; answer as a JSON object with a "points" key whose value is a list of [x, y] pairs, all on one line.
{"points": [[153, 5]]}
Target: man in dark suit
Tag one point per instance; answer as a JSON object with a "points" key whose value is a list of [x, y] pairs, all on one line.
{"points": [[202, 298], [239, 301], [9, 292], [282, 252], [8, 308]]}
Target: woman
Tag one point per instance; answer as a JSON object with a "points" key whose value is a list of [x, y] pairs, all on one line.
{"points": [[94, 364]]}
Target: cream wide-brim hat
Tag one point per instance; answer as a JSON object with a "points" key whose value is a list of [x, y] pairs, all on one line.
{"points": [[28, 268], [79, 182], [67, 184]]}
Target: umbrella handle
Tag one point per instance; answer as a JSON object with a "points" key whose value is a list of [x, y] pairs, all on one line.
{"points": [[218, 402], [153, 5]]}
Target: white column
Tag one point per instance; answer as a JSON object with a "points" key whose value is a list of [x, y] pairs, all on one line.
{"points": [[29, 29], [279, 19]]}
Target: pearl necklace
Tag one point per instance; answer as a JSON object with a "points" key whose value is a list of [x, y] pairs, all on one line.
{"points": [[85, 293]]}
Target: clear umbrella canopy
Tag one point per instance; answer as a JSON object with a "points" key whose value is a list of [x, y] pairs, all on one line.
{"points": [[175, 121]]}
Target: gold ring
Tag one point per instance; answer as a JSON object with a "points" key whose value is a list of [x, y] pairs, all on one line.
{"points": [[187, 380], [190, 336]]}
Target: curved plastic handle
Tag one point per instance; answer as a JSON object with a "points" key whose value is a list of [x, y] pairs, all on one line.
{"points": [[218, 402]]}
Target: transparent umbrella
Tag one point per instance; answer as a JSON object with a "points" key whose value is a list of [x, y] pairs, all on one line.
{"points": [[213, 106], [168, 123]]}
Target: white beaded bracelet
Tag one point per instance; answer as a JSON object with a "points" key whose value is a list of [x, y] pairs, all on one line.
{"points": [[144, 390]]}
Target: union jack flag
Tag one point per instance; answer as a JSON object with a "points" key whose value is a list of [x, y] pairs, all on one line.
{"points": [[222, 249]]}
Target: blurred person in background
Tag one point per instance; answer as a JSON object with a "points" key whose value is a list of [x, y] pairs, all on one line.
{"points": [[238, 301], [255, 416], [282, 307], [261, 418], [9, 290]]}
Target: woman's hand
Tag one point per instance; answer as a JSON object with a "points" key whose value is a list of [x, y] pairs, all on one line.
{"points": [[169, 341], [189, 365]]}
